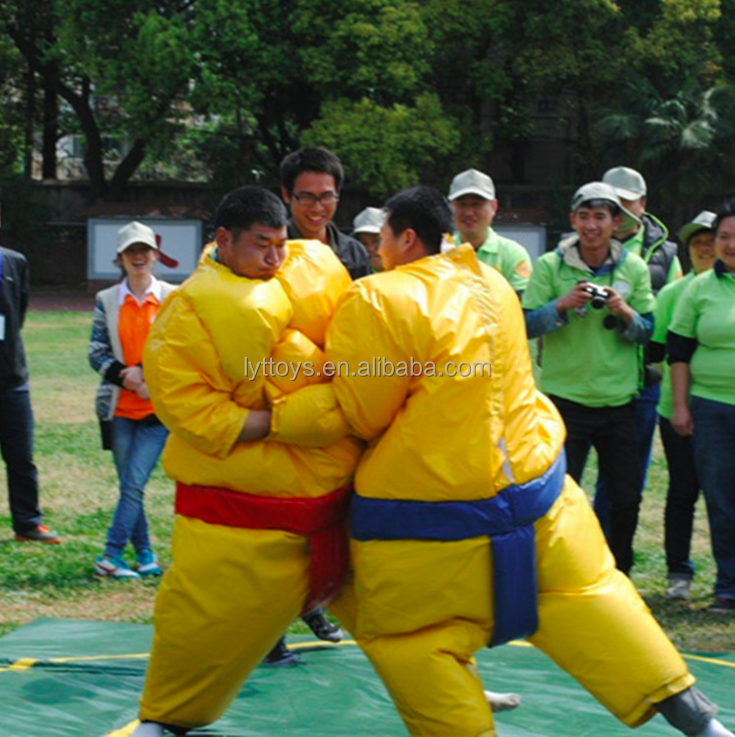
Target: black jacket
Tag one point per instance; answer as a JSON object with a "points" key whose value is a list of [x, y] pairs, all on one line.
{"points": [[657, 251], [13, 306], [348, 250]]}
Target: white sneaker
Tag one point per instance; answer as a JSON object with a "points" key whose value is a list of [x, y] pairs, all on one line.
{"points": [[716, 729], [114, 567], [148, 729], [502, 701], [679, 589]]}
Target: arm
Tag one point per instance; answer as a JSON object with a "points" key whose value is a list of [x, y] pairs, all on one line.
{"points": [[553, 315], [24, 290], [681, 418], [99, 353], [191, 393]]}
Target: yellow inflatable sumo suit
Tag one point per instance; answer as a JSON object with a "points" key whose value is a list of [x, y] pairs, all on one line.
{"points": [[232, 591], [461, 501]]}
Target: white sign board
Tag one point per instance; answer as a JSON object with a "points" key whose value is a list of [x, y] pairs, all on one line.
{"points": [[180, 239], [532, 237]]}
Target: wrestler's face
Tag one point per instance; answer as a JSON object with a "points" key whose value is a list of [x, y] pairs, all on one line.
{"points": [[392, 247], [256, 253]]}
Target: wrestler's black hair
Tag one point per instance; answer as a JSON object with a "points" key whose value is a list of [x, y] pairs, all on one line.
{"points": [[242, 207], [423, 209], [310, 159]]}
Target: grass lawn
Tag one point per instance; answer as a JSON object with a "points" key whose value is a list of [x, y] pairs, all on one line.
{"points": [[79, 493]]}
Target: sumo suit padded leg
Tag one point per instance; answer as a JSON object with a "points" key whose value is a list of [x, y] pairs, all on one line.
{"points": [[592, 623], [227, 598]]}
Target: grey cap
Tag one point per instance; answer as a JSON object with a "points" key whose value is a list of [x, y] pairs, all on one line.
{"points": [[602, 191], [704, 221], [370, 220], [628, 183], [135, 232], [472, 182]]}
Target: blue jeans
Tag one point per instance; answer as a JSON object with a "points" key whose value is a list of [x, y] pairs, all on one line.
{"points": [[16, 446], [714, 456], [646, 419], [136, 448]]}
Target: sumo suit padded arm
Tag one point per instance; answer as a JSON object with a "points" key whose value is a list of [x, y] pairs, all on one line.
{"points": [[191, 394], [362, 405]]}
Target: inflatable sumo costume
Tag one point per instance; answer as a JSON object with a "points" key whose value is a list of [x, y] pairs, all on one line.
{"points": [[465, 529], [259, 528]]}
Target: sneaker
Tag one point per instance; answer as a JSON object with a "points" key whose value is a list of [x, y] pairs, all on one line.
{"points": [[148, 563], [322, 627], [502, 701], [679, 589], [722, 606], [114, 567], [281, 655], [39, 534]]}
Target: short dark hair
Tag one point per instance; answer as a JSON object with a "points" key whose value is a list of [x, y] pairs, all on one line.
{"points": [[726, 211], [423, 209], [604, 204], [310, 159], [242, 207]]}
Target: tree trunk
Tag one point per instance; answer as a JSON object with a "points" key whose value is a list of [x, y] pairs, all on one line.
{"points": [[30, 118], [50, 121], [125, 169]]}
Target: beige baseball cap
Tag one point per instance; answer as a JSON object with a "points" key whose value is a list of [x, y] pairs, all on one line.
{"points": [[704, 221], [370, 220], [628, 183], [136, 232], [472, 182], [602, 191]]}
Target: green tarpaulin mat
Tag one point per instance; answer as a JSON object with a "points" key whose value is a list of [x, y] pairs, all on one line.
{"points": [[70, 678]]}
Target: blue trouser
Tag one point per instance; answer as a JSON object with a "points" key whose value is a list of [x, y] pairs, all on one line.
{"points": [[16, 446], [646, 419], [136, 447], [507, 518], [714, 456], [681, 498]]}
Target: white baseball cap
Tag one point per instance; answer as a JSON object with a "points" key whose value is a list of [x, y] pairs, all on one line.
{"points": [[704, 221], [602, 191], [628, 183], [135, 232], [370, 220], [472, 182]]}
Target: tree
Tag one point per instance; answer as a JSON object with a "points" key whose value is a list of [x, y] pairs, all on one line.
{"points": [[120, 65]]}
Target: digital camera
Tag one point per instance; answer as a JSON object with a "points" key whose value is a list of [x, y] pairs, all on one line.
{"points": [[599, 295]]}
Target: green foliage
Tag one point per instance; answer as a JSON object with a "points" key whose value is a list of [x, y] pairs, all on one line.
{"points": [[386, 149]]}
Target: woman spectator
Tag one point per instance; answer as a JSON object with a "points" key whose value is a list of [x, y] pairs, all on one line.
{"points": [[683, 488], [701, 347], [122, 319]]}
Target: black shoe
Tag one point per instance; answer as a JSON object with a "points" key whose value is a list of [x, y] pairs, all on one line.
{"points": [[281, 655], [322, 627], [722, 606]]}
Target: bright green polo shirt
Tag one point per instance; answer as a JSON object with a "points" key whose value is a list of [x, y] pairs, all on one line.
{"points": [[666, 301], [507, 256], [706, 312], [582, 360]]}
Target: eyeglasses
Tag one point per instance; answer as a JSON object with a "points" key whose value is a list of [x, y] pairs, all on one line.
{"points": [[309, 200]]}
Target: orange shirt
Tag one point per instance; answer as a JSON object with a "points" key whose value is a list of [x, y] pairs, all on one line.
{"points": [[133, 325]]}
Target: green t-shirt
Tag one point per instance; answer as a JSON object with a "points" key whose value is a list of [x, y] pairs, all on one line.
{"points": [[582, 360], [507, 256], [666, 301], [706, 312]]}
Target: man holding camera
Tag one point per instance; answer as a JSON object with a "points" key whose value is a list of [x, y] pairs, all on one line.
{"points": [[592, 300]]}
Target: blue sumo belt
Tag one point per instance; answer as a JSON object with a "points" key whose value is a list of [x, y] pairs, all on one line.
{"points": [[507, 518]]}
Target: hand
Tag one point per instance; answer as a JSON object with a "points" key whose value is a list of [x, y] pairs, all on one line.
{"points": [[618, 306], [142, 391], [132, 377], [681, 421], [577, 297]]}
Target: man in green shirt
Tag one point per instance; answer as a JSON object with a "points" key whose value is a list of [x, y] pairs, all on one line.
{"points": [[590, 365], [472, 195], [646, 237]]}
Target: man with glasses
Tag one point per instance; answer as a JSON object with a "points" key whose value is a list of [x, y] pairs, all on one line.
{"points": [[311, 180]]}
